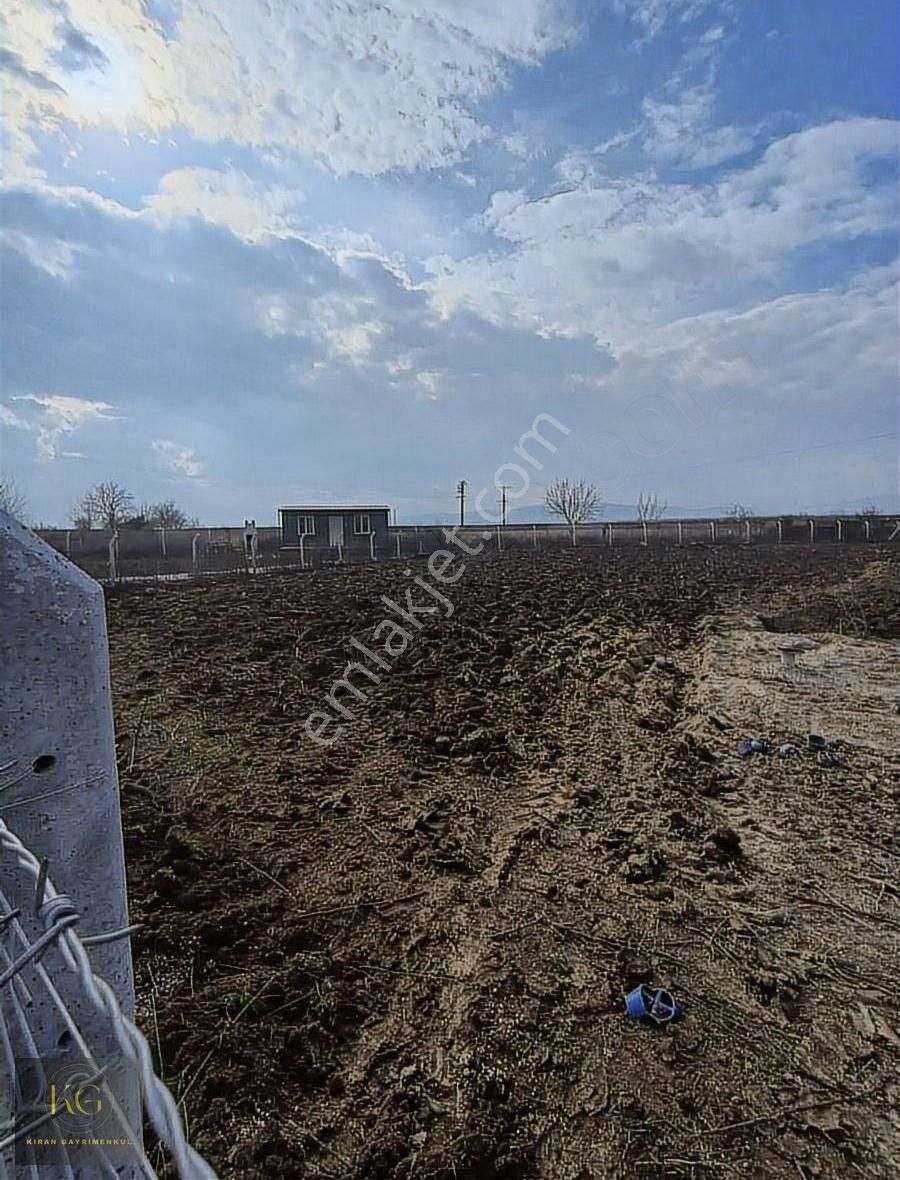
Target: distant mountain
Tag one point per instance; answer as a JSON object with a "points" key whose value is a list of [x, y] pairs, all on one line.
{"points": [[532, 514], [888, 502]]}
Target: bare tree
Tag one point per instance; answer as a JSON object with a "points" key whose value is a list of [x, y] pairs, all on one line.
{"points": [[575, 502], [867, 511], [650, 506], [105, 506], [167, 515], [739, 512], [12, 500]]}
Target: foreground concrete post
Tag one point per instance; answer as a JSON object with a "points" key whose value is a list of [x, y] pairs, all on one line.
{"points": [[61, 795]]}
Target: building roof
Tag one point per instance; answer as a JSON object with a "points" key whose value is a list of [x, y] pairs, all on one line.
{"points": [[334, 508]]}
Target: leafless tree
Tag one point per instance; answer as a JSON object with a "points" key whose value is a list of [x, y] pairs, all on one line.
{"points": [[167, 515], [105, 506], [12, 500], [868, 510], [739, 512], [576, 502], [650, 506]]}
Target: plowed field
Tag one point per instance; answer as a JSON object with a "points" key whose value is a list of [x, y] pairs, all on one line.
{"points": [[403, 955]]}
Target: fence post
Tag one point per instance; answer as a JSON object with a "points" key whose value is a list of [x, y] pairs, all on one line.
{"points": [[680, 533], [195, 551], [812, 531], [747, 530], [68, 542], [712, 531], [839, 529], [868, 527], [779, 527], [60, 786], [534, 536], [646, 540], [372, 546], [399, 543], [114, 558], [609, 533], [162, 541]]}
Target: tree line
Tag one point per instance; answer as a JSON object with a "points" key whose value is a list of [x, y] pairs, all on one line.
{"points": [[106, 505]]}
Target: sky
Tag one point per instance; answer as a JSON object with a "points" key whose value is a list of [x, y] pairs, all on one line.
{"points": [[295, 252]]}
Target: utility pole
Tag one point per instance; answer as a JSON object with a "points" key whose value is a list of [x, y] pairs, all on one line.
{"points": [[503, 490], [461, 496]]}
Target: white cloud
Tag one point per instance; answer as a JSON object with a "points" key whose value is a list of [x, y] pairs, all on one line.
{"points": [[8, 418], [57, 415], [681, 131], [177, 458], [248, 208], [430, 383], [612, 256], [364, 87], [653, 15], [51, 255]]}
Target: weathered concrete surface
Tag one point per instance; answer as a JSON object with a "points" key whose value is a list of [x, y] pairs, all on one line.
{"points": [[60, 794]]}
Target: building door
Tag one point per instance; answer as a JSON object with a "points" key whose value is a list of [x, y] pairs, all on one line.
{"points": [[335, 530]]}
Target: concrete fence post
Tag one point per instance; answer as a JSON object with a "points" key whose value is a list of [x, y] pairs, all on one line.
{"points": [[68, 543], [400, 543], [779, 528], [747, 531], [162, 542], [372, 546], [867, 525], [644, 531], [839, 529], [61, 792], [534, 536], [114, 558], [609, 533], [195, 552], [812, 532], [680, 533], [712, 531]]}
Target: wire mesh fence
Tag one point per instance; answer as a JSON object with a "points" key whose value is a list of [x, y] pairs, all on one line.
{"points": [[76, 1112]]}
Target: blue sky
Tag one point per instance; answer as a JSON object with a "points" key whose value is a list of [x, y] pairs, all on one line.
{"points": [[260, 254]]}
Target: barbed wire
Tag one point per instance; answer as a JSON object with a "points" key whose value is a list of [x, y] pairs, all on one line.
{"points": [[59, 916]]}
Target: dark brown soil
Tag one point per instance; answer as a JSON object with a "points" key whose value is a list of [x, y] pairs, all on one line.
{"points": [[404, 956]]}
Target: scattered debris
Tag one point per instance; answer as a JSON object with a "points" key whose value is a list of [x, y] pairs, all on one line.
{"points": [[654, 1004], [788, 750], [816, 742], [828, 758], [751, 746]]}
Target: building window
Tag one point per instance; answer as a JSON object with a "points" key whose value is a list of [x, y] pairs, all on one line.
{"points": [[362, 525], [305, 525]]}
